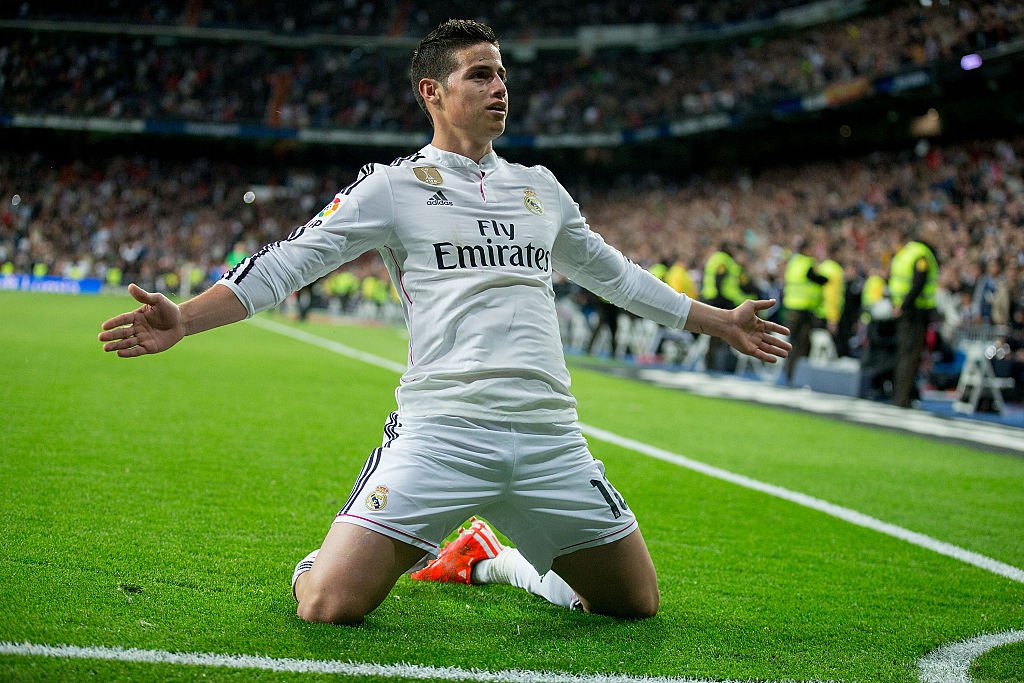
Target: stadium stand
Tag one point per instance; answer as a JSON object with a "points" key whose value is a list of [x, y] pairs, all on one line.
{"points": [[374, 19], [183, 76]]}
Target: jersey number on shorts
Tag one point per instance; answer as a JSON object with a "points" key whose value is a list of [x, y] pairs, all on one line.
{"points": [[607, 490]]}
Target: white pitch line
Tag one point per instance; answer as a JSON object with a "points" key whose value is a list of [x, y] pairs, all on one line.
{"points": [[948, 664], [338, 668], [846, 514], [952, 663], [334, 346]]}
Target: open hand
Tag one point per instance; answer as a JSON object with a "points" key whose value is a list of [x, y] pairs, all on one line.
{"points": [[754, 336], [153, 327]]}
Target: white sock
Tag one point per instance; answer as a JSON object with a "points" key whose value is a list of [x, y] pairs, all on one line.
{"points": [[302, 567], [511, 568]]}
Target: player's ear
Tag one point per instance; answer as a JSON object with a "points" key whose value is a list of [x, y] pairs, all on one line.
{"points": [[430, 91]]}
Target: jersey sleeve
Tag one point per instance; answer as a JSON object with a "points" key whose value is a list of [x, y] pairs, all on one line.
{"points": [[358, 219], [584, 257]]}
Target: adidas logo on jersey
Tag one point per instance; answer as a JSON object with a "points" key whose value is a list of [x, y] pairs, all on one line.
{"points": [[438, 199]]}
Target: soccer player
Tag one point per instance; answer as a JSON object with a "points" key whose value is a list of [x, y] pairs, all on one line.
{"points": [[485, 422]]}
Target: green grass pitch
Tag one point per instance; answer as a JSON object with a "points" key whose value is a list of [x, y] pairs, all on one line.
{"points": [[161, 503]]}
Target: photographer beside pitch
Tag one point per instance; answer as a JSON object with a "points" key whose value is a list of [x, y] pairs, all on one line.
{"points": [[485, 422]]}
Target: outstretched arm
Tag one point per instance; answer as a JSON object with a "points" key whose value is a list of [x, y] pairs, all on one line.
{"points": [[159, 323], [741, 328]]}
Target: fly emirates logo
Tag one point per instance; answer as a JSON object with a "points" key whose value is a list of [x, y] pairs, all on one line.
{"points": [[498, 249]]}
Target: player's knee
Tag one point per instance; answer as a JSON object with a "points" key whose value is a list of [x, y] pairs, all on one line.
{"points": [[638, 606], [645, 608], [642, 606], [320, 607]]}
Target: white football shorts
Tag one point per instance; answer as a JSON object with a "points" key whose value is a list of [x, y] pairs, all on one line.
{"points": [[536, 483]]}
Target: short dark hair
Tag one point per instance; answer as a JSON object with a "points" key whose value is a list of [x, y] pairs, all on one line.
{"points": [[435, 56]]}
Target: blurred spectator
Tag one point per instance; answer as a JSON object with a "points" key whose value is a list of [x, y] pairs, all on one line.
{"points": [[985, 291]]}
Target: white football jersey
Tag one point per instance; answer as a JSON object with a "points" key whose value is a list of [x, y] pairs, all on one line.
{"points": [[470, 248]]}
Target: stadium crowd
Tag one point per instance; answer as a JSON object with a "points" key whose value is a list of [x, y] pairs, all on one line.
{"points": [[149, 221], [367, 18], [122, 76]]}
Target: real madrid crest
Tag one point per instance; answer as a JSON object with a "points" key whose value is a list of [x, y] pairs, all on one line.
{"points": [[377, 499], [428, 174], [532, 202]]}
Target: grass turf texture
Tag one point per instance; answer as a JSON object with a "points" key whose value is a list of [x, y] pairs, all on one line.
{"points": [[162, 502]]}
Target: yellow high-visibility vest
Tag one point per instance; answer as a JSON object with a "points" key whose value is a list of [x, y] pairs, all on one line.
{"points": [[915, 256], [719, 263], [800, 293], [832, 292]]}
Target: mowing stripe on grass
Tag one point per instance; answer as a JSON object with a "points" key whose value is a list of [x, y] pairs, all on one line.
{"points": [[316, 666], [845, 514], [952, 663]]}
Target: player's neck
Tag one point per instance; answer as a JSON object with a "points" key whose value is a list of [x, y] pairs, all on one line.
{"points": [[464, 146]]}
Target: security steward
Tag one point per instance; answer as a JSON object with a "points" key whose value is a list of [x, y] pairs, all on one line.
{"points": [[801, 297], [725, 285], [913, 280]]}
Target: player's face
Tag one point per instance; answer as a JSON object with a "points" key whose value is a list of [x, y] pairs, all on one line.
{"points": [[474, 99]]}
